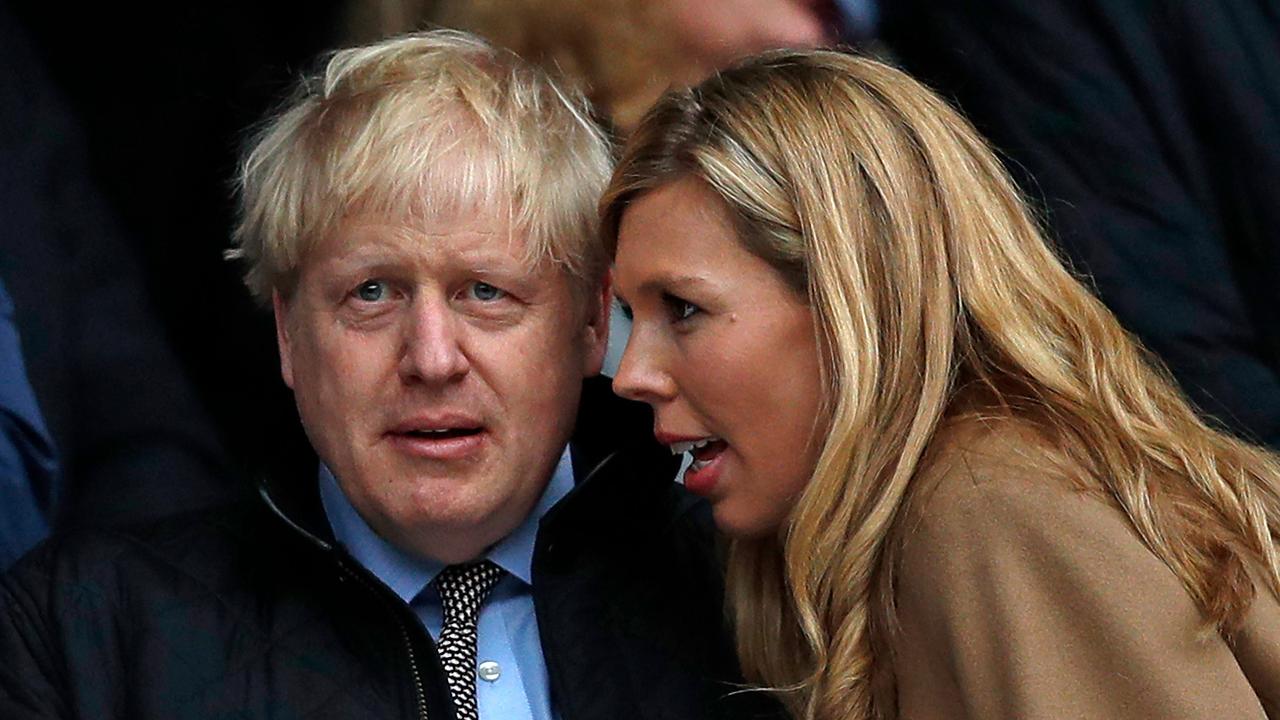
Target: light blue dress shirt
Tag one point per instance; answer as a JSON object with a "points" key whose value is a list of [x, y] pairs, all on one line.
{"points": [[507, 628]]}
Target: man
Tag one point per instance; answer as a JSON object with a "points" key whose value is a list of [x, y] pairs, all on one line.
{"points": [[421, 219]]}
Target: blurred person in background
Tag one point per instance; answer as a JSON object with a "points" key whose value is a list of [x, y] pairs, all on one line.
{"points": [[858, 22], [28, 463], [139, 149], [1151, 132], [622, 53], [105, 387]]}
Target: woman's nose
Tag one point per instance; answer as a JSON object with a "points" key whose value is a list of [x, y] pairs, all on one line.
{"points": [[640, 375]]}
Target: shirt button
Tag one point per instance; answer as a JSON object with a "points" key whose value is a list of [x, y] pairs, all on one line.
{"points": [[490, 671]]}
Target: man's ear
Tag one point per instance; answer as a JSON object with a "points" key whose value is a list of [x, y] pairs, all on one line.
{"points": [[280, 307], [596, 329]]}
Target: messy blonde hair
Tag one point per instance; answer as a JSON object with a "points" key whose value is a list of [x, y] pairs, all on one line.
{"points": [[415, 127], [930, 285]]}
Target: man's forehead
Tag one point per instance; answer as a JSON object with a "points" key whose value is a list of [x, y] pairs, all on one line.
{"points": [[470, 238], [485, 228]]}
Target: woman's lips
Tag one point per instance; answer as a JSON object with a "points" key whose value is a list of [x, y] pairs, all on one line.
{"points": [[703, 474]]}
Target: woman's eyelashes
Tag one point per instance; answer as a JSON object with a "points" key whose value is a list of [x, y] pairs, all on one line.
{"points": [[678, 309]]}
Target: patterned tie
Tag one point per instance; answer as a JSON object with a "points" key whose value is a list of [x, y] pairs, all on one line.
{"points": [[463, 588]]}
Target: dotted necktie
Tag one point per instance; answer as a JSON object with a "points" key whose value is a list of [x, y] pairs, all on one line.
{"points": [[463, 588]]}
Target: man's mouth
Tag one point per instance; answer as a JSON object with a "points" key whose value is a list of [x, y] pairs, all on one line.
{"points": [[439, 438], [440, 433]]}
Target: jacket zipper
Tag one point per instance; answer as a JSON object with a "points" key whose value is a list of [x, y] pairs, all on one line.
{"points": [[554, 674], [420, 693], [599, 466]]}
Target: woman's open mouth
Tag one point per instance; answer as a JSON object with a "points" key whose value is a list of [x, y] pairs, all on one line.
{"points": [[704, 471]]}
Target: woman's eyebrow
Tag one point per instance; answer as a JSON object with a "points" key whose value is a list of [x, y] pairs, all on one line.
{"points": [[665, 281]]}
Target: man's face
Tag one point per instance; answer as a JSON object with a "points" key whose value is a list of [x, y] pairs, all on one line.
{"points": [[437, 375]]}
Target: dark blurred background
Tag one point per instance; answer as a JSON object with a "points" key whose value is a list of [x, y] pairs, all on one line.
{"points": [[163, 95]]}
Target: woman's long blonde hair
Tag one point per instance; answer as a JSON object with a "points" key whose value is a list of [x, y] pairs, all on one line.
{"points": [[930, 285]]}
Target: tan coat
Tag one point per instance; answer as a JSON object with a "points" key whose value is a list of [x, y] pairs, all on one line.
{"points": [[1022, 596]]}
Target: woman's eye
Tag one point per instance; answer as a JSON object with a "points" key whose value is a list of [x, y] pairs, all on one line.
{"points": [[372, 290], [681, 309], [485, 292]]}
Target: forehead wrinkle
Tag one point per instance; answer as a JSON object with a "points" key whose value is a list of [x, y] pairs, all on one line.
{"points": [[502, 248]]}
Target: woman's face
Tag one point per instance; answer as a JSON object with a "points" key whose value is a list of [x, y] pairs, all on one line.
{"points": [[723, 350]]}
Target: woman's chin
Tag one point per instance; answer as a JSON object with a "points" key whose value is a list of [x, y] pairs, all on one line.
{"points": [[743, 523]]}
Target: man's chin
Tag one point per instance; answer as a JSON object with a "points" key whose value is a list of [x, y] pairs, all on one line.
{"points": [[452, 533]]}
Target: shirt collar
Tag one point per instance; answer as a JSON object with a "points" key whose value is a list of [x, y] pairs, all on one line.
{"points": [[407, 574]]}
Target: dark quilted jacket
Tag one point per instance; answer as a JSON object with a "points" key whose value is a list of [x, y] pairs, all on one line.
{"points": [[254, 612]]}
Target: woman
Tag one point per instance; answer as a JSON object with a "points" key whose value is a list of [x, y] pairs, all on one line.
{"points": [[954, 486]]}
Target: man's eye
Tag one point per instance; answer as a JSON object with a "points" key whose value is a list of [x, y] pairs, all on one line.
{"points": [[372, 290], [485, 292]]}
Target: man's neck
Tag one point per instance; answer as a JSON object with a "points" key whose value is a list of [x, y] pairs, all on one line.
{"points": [[405, 572]]}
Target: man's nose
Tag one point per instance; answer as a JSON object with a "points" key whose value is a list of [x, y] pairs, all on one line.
{"points": [[433, 349], [640, 376]]}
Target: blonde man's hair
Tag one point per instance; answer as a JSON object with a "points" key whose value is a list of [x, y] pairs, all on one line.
{"points": [[417, 127], [935, 296]]}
